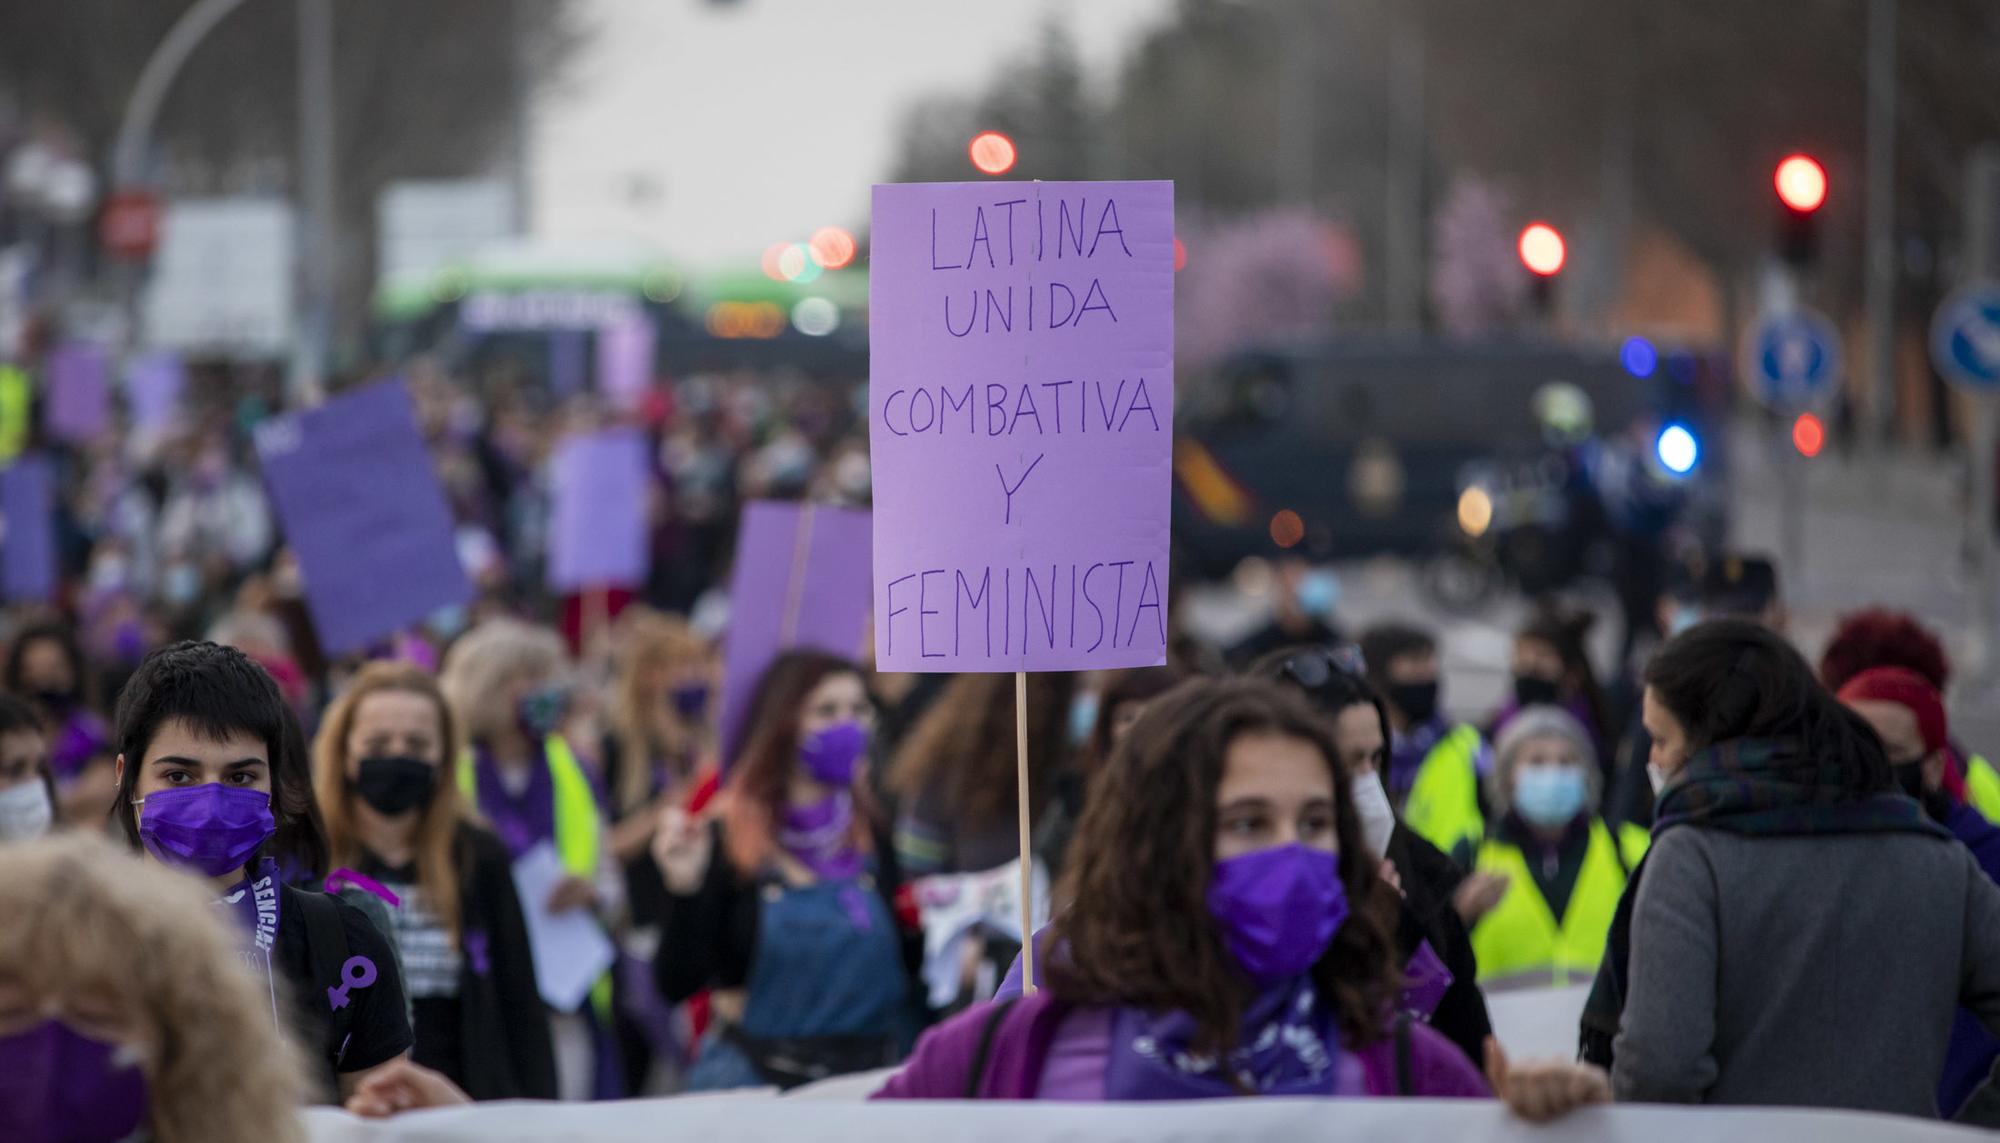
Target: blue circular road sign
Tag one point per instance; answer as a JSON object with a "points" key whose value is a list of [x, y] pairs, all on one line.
{"points": [[1794, 358], [1965, 337]]}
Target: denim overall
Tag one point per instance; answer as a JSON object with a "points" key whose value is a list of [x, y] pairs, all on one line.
{"points": [[828, 963]]}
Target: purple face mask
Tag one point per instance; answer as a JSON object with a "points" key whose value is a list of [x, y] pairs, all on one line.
{"points": [[831, 755], [1278, 908], [211, 828], [57, 1084]]}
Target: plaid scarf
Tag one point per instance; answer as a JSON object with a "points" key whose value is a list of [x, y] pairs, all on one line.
{"points": [[1757, 788]]}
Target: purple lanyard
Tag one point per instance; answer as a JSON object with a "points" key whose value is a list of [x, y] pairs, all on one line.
{"points": [[254, 901]]}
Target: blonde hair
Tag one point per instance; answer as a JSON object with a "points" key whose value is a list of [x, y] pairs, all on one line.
{"points": [[84, 915], [484, 660], [650, 641], [437, 874]]}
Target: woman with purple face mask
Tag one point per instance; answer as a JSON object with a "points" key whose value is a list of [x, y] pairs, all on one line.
{"points": [[125, 1012], [784, 906], [1226, 934], [212, 780]]}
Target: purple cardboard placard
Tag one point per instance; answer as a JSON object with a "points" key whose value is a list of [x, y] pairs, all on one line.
{"points": [[1020, 407], [801, 580], [153, 387], [76, 393], [598, 528], [360, 504], [568, 349], [625, 362], [28, 508]]}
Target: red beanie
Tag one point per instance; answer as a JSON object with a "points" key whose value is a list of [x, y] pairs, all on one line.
{"points": [[1906, 689]]}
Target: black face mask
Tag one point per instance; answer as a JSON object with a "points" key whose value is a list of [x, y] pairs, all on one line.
{"points": [[1910, 779], [393, 785], [1417, 701], [1533, 690], [60, 703]]}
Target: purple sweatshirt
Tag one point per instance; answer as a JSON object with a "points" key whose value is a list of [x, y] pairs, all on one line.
{"points": [[941, 1067]]}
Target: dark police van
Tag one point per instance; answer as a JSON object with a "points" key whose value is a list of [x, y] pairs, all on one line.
{"points": [[1370, 442]]}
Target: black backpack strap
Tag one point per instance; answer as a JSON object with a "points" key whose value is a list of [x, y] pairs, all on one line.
{"points": [[975, 1077], [1404, 1081], [326, 949]]}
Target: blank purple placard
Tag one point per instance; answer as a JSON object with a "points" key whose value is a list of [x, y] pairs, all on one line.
{"points": [[76, 393], [361, 506], [598, 527], [801, 581], [1021, 424], [28, 508]]}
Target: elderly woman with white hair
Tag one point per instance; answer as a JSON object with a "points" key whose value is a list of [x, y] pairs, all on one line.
{"points": [[1547, 878], [508, 686]]}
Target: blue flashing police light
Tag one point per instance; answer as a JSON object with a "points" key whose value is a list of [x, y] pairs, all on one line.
{"points": [[1678, 449], [1639, 357]]}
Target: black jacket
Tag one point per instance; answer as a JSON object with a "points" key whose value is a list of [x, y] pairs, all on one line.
{"points": [[503, 1045], [1429, 880], [709, 939]]}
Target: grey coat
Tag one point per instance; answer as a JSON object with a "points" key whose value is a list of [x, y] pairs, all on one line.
{"points": [[1804, 971]]}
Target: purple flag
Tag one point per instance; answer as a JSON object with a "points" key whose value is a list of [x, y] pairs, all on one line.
{"points": [[801, 580], [153, 386], [598, 533], [28, 511], [625, 362], [1020, 417], [361, 506], [76, 393]]}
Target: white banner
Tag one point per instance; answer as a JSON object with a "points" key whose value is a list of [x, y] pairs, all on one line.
{"points": [[751, 1118]]}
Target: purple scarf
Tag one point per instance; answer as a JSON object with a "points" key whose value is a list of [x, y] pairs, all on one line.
{"points": [[1289, 1047], [522, 821], [819, 837], [254, 902]]}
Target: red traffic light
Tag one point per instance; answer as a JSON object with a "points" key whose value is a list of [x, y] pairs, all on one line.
{"points": [[1542, 249], [1808, 435], [992, 152], [1801, 183]]}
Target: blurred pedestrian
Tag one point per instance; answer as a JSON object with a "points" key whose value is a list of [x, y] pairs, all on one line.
{"points": [[1551, 666], [955, 774], [1549, 874], [1435, 765], [507, 684], [1908, 715], [1427, 878], [46, 667], [1881, 638], [27, 785], [784, 903], [1731, 974], [125, 1012], [382, 769]]}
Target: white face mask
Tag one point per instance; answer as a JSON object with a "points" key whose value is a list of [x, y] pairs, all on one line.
{"points": [[1658, 777], [1378, 818], [25, 812]]}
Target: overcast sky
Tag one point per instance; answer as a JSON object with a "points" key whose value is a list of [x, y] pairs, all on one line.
{"points": [[715, 131]]}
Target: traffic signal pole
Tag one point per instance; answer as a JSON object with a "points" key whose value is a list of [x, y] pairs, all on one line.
{"points": [[1878, 410]]}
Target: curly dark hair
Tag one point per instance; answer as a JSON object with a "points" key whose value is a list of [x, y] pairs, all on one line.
{"points": [[1137, 930], [965, 744]]}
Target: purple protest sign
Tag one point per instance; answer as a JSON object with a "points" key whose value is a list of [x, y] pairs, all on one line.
{"points": [[801, 581], [567, 350], [28, 549], [76, 393], [625, 362], [1020, 417], [361, 507], [598, 527], [153, 386]]}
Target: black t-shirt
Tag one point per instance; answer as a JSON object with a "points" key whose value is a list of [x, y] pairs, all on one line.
{"points": [[378, 1025]]}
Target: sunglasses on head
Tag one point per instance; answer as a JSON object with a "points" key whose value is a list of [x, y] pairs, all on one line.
{"points": [[1314, 667]]}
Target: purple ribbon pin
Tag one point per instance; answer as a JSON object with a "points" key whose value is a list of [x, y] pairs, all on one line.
{"points": [[358, 972], [476, 950]]}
